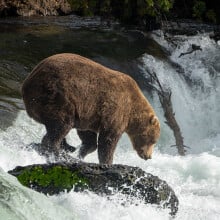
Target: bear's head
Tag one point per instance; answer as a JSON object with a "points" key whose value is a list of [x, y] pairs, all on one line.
{"points": [[146, 136]]}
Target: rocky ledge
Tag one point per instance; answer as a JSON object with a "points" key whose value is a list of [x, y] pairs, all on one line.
{"points": [[133, 182], [34, 7]]}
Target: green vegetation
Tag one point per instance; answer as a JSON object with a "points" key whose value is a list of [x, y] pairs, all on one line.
{"points": [[125, 10], [202, 10], [141, 11], [199, 9], [57, 177], [211, 16], [148, 13]]}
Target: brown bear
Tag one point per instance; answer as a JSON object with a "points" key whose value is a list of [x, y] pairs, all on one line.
{"points": [[68, 91]]}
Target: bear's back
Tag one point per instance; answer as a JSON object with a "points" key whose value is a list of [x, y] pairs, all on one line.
{"points": [[78, 73], [69, 81]]}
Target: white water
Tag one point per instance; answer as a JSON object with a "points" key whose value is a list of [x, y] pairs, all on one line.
{"points": [[195, 178]]}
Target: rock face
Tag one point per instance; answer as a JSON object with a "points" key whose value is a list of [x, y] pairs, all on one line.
{"points": [[101, 179], [34, 7]]}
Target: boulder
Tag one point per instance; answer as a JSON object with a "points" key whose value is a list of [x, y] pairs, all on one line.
{"points": [[133, 182], [34, 7]]}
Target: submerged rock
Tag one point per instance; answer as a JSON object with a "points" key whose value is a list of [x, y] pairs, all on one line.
{"points": [[102, 179]]}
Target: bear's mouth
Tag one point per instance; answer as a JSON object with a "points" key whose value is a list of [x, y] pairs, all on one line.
{"points": [[146, 157], [142, 155]]}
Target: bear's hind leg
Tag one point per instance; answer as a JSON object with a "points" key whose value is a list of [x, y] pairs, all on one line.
{"points": [[51, 142], [89, 142]]}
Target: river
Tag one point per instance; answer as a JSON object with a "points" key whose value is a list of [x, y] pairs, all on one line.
{"points": [[193, 79]]}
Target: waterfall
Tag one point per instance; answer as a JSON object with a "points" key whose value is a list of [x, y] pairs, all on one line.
{"points": [[195, 89]]}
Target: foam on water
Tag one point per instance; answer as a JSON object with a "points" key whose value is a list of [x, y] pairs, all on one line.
{"points": [[194, 178], [20, 203]]}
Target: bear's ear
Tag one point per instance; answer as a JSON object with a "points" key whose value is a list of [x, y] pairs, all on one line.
{"points": [[153, 120]]}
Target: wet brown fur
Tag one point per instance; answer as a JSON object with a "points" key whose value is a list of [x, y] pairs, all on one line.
{"points": [[68, 91]]}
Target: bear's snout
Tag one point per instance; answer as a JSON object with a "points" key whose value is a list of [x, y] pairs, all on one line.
{"points": [[143, 156], [146, 152]]}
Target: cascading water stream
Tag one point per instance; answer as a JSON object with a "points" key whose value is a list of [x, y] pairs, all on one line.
{"points": [[195, 90]]}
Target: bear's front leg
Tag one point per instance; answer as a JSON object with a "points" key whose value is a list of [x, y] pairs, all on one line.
{"points": [[107, 142], [51, 142], [89, 142]]}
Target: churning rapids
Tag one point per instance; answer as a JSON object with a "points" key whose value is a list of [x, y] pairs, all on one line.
{"points": [[195, 177]]}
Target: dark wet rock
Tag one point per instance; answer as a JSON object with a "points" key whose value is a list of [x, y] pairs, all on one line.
{"points": [[215, 35], [101, 179], [188, 27]]}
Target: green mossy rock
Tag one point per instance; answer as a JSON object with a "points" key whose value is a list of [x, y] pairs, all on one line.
{"points": [[101, 179]]}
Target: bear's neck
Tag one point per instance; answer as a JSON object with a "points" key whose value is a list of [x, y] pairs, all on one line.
{"points": [[139, 117]]}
